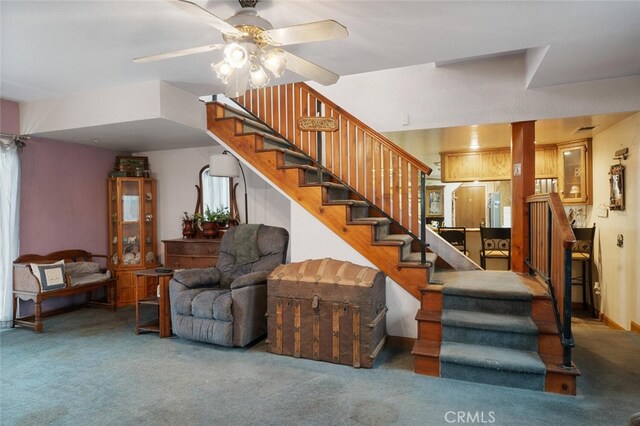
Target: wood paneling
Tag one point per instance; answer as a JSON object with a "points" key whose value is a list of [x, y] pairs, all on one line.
{"points": [[546, 161], [494, 164]]}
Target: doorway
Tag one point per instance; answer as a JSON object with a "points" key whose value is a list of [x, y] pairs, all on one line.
{"points": [[469, 206]]}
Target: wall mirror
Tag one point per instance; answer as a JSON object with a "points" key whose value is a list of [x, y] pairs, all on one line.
{"points": [[215, 192], [616, 187]]}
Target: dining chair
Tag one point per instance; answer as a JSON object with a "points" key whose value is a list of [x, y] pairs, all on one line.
{"points": [[496, 244], [456, 236]]}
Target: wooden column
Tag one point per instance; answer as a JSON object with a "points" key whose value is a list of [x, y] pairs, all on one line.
{"points": [[522, 185]]}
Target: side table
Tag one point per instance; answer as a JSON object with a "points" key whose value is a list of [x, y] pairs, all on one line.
{"points": [[159, 298]]}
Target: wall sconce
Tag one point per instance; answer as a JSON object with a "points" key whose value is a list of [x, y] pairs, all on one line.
{"points": [[226, 165]]}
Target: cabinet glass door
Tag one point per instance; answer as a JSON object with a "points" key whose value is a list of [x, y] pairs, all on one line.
{"points": [[149, 222], [131, 219], [574, 174]]}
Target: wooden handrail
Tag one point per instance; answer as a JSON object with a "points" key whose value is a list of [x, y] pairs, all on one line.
{"points": [[423, 167], [558, 216], [550, 245], [371, 165]]}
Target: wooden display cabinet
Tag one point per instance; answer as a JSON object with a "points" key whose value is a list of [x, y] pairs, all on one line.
{"points": [[574, 172], [132, 233]]}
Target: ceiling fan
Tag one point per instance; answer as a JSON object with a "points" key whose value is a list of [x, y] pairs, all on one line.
{"points": [[252, 48]]}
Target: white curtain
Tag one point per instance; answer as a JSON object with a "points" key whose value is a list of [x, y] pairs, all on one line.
{"points": [[9, 224]]}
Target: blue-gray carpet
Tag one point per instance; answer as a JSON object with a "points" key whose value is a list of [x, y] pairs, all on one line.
{"points": [[89, 368], [488, 335]]}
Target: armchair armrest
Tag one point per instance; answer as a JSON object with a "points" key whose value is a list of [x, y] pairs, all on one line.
{"points": [[252, 278], [198, 277]]}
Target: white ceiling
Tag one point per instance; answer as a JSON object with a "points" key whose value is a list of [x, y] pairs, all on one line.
{"points": [[52, 49]]}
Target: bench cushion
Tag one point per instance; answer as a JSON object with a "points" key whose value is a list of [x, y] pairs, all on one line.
{"points": [[50, 276]]}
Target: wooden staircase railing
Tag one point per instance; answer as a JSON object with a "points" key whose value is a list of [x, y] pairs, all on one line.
{"points": [[551, 240], [372, 165]]}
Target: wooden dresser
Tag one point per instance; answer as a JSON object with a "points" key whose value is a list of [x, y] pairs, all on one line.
{"points": [[187, 253]]}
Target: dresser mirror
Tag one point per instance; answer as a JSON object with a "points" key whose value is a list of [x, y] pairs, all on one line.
{"points": [[215, 192]]}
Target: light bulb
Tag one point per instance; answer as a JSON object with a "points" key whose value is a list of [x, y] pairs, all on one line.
{"points": [[236, 55], [259, 78], [275, 61], [223, 70]]}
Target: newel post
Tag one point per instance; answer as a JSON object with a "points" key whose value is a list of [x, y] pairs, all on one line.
{"points": [[523, 171]]}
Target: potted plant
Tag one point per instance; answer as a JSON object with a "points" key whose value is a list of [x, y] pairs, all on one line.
{"points": [[223, 216], [209, 223], [188, 225]]}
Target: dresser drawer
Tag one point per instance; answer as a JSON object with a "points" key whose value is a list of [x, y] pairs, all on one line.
{"points": [[193, 248], [187, 262]]}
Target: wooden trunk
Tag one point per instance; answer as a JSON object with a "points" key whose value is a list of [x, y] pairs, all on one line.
{"points": [[327, 310]]}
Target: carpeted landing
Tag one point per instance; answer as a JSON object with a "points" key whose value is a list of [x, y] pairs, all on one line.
{"points": [[89, 368], [488, 335]]}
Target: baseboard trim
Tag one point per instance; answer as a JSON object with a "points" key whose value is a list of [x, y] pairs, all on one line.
{"points": [[635, 327], [610, 323], [401, 342]]}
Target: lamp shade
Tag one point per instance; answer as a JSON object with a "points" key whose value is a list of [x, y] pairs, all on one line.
{"points": [[223, 165]]}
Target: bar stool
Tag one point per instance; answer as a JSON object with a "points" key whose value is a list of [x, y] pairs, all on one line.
{"points": [[583, 252], [496, 244]]}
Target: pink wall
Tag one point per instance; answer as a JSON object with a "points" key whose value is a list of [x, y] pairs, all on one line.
{"points": [[63, 197], [63, 193]]}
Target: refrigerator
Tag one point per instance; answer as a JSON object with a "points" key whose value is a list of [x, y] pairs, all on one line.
{"points": [[494, 210]]}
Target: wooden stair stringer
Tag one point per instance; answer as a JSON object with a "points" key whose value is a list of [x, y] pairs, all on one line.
{"points": [[385, 257], [448, 253]]}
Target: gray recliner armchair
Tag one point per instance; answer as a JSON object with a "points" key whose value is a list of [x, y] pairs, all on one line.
{"points": [[226, 305]]}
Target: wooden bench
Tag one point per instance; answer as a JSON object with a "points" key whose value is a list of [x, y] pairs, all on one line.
{"points": [[27, 287]]}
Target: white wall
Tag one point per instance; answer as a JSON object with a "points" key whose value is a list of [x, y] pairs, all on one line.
{"points": [[618, 266], [177, 174], [487, 91]]}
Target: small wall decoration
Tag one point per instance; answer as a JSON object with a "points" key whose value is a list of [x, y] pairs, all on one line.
{"points": [[317, 124], [132, 166], [616, 187], [435, 201]]}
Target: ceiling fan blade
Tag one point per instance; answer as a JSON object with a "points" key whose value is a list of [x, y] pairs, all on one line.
{"points": [[178, 53], [206, 16], [305, 33], [238, 83], [310, 70]]}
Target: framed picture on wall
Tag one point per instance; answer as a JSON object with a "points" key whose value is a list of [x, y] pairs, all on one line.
{"points": [[616, 187], [435, 201]]}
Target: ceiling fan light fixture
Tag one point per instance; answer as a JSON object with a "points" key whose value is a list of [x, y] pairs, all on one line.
{"points": [[275, 61], [258, 76], [236, 55], [223, 70]]}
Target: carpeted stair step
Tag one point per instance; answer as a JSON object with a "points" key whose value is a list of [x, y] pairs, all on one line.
{"points": [[416, 257], [291, 158], [252, 126], [481, 328], [272, 141], [381, 225], [499, 292], [398, 239], [336, 191], [314, 175], [492, 365], [233, 112]]}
